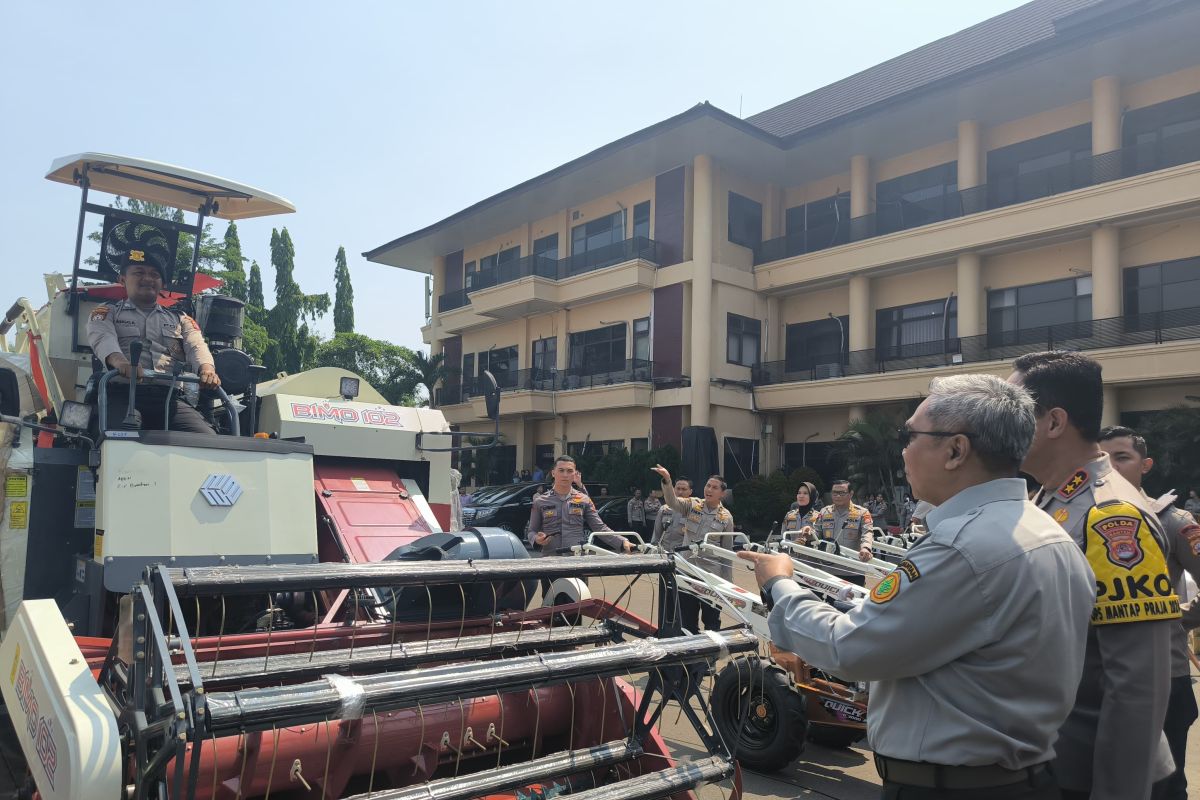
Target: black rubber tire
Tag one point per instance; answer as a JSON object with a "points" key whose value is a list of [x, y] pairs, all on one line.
{"points": [[759, 714], [834, 737]]}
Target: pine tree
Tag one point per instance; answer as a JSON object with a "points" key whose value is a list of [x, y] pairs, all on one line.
{"points": [[343, 302], [254, 289], [234, 274]]}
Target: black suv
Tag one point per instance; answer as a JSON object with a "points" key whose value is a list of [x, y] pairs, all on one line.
{"points": [[504, 506]]}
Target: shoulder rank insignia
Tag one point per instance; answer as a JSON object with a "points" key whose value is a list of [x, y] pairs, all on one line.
{"points": [[1072, 487], [99, 313]]}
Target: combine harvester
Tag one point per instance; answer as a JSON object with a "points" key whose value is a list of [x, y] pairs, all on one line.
{"points": [[280, 609]]}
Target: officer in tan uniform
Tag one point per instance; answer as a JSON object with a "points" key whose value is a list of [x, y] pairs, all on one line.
{"points": [[1112, 746], [169, 339], [1131, 458], [562, 517], [700, 517], [800, 516], [668, 525]]}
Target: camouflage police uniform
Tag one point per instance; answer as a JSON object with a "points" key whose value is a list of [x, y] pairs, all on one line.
{"points": [[169, 338], [1183, 534], [566, 521], [1112, 744]]}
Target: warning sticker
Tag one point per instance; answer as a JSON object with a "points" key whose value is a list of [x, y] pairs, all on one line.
{"points": [[360, 485], [85, 486], [85, 514], [16, 486], [18, 515]]}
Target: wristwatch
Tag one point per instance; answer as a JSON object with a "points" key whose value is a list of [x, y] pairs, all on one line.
{"points": [[767, 597]]}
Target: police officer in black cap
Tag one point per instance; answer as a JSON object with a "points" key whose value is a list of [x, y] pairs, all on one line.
{"points": [[170, 340]]}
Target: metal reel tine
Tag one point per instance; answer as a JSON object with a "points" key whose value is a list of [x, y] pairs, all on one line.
{"points": [[537, 720], [328, 758], [274, 753], [462, 621], [220, 636], [375, 750], [312, 648]]}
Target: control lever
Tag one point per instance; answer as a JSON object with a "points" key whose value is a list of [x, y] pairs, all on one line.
{"points": [[133, 420], [176, 371]]}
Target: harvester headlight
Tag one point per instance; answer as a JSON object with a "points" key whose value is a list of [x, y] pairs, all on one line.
{"points": [[348, 388], [76, 416]]}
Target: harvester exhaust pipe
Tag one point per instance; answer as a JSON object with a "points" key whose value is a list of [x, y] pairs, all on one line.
{"points": [[133, 420]]}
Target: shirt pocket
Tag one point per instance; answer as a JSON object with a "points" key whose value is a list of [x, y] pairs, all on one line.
{"points": [[172, 334]]}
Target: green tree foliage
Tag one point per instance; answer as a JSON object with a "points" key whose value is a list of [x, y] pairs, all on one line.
{"points": [[427, 371], [760, 502], [1173, 438], [233, 272], [343, 302], [254, 287], [871, 453], [386, 366], [623, 470], [287, 321]]}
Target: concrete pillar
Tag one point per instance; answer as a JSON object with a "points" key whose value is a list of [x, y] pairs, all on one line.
{"points": [[1112, 407], [771, 457], [970, 161], [860, 186], [1106, 272], [702, 287], [775, 330], [564, 340], [970, 295], [860, 312], [773, 212], [560, 435], [1106, 114]]}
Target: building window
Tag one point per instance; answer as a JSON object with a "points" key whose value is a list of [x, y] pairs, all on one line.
{"points": [[1162, 135], [743, 337], [1168, 289], [641, 339], [916, 330], [499, 267], [598, 233], [741, 459], [820, 345], [546, 247], [470, 274], [1047, 165], [745, 221], [468, 370], [919, 198], [641, 220], [503, 364], [818, 225], [597, 351], [595, 447], [545, 363], [1020, 315], [639, 445]]}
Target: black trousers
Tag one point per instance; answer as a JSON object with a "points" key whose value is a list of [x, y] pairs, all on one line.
{"points": [[692, 611], [1181, 713], [1043, 787], [151, 402]]}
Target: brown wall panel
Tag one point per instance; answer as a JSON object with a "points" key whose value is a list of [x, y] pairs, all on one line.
{"points": [[666, 426], [454, 272], [668, 215], [667, 350]]}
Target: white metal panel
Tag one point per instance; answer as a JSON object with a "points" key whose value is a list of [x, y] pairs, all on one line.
{"points": [[66, 729]]}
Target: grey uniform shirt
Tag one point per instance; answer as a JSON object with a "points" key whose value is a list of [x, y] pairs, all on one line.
{"points": [[169, 337], [1112, 743], [668, 529], [1183, 534], [698, 520], [636, 511], [973, 644], [566, 521]]}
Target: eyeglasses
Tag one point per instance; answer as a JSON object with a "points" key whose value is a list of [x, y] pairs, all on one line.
{"points": [[837, 493], [905, 434]]}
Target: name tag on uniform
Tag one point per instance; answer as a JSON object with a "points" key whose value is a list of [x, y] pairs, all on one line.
{"points": [[576, 511], [171, 330]]}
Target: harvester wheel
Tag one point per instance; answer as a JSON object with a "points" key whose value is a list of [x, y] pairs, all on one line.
{"points": [[759, 713]]}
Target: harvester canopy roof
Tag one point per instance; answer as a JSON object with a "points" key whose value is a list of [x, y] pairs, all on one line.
{"points": [[156, 182]]}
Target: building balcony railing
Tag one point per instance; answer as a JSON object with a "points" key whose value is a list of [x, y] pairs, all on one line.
{"points": [[1132, 329], [554, 269], [1169, 151], [632, 370]]}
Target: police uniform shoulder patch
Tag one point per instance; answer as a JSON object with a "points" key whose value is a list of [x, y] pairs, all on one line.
{"points": [[887, 589], [99, 313], [186, 320], [909, 569], [1191, 534], [1073, 486]]}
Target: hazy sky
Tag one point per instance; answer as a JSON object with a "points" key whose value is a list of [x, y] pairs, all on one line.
{"points": [[376, 119]]}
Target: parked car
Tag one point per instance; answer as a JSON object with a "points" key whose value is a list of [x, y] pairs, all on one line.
{"points": [[504, 506]]}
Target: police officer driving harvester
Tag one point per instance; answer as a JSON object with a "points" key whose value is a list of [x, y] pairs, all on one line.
{"points": [[171, 340], [975, 642]]}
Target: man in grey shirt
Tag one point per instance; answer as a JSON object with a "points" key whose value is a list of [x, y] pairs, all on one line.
{"points": [[975, 643]]}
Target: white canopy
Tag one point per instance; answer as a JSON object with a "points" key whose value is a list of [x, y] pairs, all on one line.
{"points": [[167, 184]]}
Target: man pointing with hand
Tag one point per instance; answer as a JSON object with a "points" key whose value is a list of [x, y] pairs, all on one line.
{"points": [[967, 699]]}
